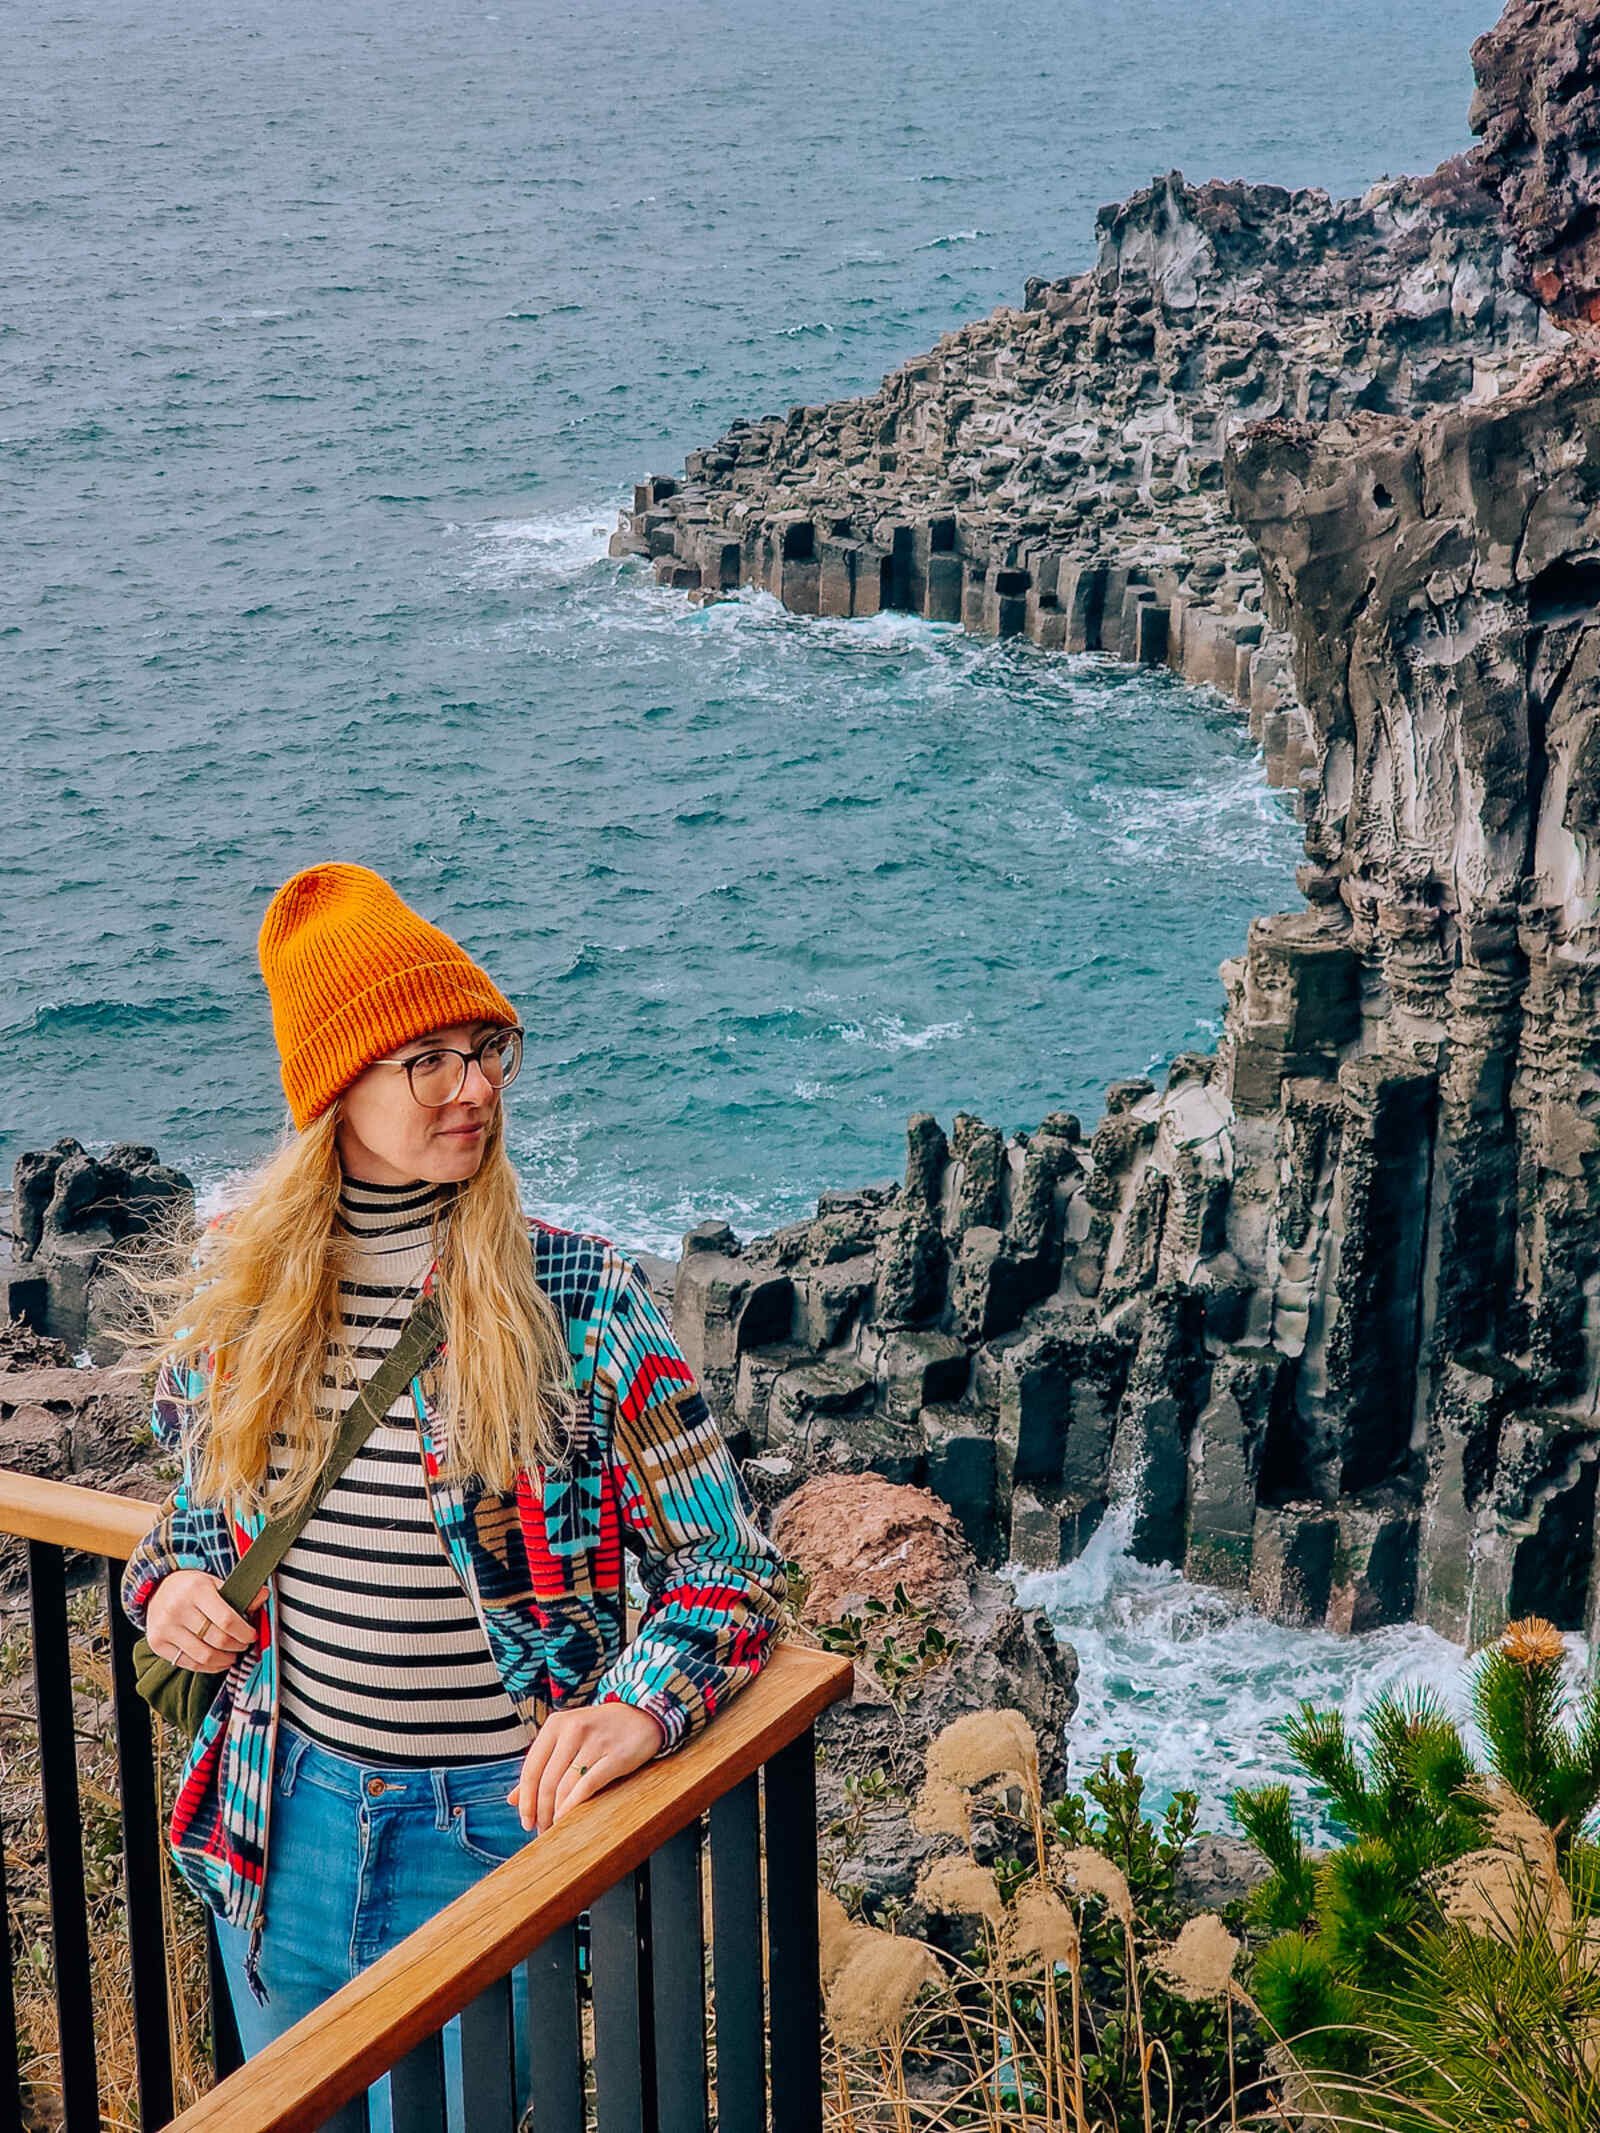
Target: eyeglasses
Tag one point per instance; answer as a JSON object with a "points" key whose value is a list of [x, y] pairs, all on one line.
{"points": [[437, 1077]]}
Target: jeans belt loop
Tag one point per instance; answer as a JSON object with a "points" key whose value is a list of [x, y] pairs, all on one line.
{"points": [[441, 1800]]}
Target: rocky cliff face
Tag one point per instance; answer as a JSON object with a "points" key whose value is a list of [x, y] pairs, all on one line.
{"points": [[1056, 471], [1538, 112], [1324, 1311]]}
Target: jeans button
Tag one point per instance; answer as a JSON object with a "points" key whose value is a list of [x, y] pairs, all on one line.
{"points": [[375, 1786]]}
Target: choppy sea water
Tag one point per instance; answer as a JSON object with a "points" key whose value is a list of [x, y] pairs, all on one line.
{"points": [[333, 338], [1201, 1685]]}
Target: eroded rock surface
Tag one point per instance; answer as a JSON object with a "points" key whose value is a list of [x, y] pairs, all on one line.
{"points": [[67, 1210], [858, 1539], [63, 1424], [1055, 471], [1324, 1309], [1537, 110]]}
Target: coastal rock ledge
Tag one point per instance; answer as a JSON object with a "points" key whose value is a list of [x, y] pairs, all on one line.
{"points": [[1322, 1313]]}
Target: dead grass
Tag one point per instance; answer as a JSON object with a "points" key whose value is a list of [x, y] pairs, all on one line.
{"points": [[923, 2041], [22, 1810]]}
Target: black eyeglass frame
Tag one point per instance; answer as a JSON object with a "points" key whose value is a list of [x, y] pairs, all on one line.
{"points": [[495, 1036]]}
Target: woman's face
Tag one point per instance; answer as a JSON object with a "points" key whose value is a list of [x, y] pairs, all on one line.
{"points": [[386, 1137]]}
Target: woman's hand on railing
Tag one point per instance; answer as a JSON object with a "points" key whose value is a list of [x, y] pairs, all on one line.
{"points": [[190, 1623], [578, 1752]]}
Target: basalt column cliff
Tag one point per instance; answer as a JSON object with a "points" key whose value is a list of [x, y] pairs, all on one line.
{"points": [[1323, 1312]]}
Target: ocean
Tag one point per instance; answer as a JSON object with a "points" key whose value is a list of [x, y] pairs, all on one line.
{"points": [[333, 340]]}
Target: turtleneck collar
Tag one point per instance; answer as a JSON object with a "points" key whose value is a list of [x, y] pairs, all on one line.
{"points": [[389, 1218]]}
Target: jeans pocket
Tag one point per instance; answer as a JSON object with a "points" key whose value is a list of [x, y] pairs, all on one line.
{"points": [[489, 1831]]}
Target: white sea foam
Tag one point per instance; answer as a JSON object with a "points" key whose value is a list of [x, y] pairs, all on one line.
{"points": [[888, 1033], [539, 551], [1234, 811], [1200, 1685]]}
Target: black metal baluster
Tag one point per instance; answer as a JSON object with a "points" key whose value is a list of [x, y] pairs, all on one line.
{"points": [[555, 2032], [736, 1959], [487, 2095], [678, 1983], [416, 2088], [141, 1869], [63, 1836], [790, 1794], [10, 2073], [227, 2055], [351, 2118], [624, 2055]]}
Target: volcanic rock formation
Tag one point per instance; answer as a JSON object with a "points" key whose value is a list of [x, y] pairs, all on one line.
{"points": [[1324, 1311], [1056, 472]]}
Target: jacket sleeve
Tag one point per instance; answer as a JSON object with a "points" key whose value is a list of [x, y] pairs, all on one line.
{"points": [[714, 1583], [185, 1536]]}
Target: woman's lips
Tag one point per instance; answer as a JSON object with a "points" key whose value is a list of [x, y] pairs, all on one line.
{"points": [[460, 1133]]}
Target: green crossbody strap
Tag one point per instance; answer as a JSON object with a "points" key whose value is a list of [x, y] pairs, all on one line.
{"points": [[418, 1341]]}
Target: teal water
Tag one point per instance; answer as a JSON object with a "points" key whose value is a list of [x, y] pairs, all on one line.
{"points": [[1200, 1685], [332, 339]]}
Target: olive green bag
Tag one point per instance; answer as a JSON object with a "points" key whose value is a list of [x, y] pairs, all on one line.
{"points": [[182, 1695]]}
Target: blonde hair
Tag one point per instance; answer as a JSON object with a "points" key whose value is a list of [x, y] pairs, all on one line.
{"points": [[251, 1300]]}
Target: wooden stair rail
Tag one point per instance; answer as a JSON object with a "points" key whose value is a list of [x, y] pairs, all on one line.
{"points": [[344, 2045], [71, 1517], [373, 2023]]}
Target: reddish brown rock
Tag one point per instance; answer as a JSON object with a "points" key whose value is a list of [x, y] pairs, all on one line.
{"points": [[1537, 109], [857, 1538]]}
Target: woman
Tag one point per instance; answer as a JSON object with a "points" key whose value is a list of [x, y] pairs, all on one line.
{"points": [[398, 1716]]}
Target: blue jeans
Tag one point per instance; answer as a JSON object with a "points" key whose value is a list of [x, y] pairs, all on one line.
{"points": [[358, 1856]]}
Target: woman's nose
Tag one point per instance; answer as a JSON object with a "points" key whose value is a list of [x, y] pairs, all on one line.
{"points": [[477, 1088]]}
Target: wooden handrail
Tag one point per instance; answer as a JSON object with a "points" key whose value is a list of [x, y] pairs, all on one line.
{"points": [[60, 1511], [341, 2047]]}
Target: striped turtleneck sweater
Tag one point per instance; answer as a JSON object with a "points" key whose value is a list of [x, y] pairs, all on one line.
{"points": [[382, 1655]]}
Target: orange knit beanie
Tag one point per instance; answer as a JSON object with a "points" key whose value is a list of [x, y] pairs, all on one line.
{"points": [[352, 971]]}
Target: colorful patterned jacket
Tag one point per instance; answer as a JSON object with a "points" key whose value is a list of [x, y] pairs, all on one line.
{"points": [[648, 1471]]}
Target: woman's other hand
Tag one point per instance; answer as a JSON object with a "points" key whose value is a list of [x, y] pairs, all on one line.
{"points": [[578, 1752], [189, 1623]]}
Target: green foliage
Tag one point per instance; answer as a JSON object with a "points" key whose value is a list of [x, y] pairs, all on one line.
{"points": [[1496, 2030], [1288, 1896], [1359, 1935], [1519, 1706], [1109, 1816], [863, 1791], [1346, 1925], [1407, 1796], [1366, 1903], [1298, 1988], [882, 1636]]}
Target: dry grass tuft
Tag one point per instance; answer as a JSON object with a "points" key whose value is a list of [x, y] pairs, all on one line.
{"points": [[1090, 1873], [961, 1887], [1040, 1927], [873, 1989], [941, 1810], [1512, 1882], [836, 1930], [1033, 2032], [983, 1745], [1199, 1963]]}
